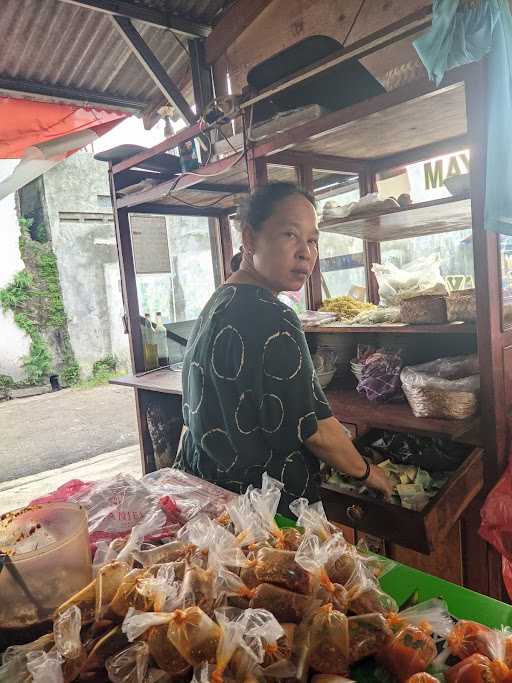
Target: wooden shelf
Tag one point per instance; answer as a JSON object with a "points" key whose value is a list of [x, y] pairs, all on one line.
{"points": [[395, 328], [424, 218], [349, 406], [163, 381]]}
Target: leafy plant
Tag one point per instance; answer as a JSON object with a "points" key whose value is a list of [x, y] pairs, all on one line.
{"points": [[6, 382], [39, 362], [71, 373], [107, 364], [35, 298]]}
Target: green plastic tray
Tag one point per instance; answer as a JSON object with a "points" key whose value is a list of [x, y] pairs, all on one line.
{"points": [[401, 582]]}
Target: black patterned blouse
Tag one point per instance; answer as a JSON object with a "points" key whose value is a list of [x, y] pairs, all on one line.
{"points": [[250, 395]]}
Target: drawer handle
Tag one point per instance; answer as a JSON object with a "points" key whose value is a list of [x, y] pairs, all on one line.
{"points": [[355, 513]]}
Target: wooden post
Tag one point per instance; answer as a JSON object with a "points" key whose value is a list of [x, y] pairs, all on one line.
{"points": [[314, 284], [226, 245], [367, 184], [257, 170], [128, 280], [489, 333]]}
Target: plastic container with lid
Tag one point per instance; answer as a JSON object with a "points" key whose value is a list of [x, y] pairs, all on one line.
{"points": [[45, 559]]}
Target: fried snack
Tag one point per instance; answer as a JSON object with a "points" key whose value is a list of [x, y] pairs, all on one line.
{"points": [[368, 633], [279, 568], [194, 635], [285, 605], [163, 651], [328, 641], [411, 651], [478, 669], [469, 638]]}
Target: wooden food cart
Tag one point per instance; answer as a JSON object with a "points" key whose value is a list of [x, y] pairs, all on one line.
{"points": [[410, 124]]}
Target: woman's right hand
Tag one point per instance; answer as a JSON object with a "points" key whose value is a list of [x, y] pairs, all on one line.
{"points": [[379, 481]]}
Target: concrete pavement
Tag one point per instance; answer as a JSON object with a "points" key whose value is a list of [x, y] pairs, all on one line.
{"points": [[47, 432], [19, 492]]}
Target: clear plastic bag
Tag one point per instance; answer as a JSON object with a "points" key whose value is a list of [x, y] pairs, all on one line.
{"points": [[459, 373], [326, 646], [285, 605], [265, 502], [160, 588], [174, 551], [369, 633], [45, 667], [194, 635], [420, 277], [130, 665], [128, 596], [280, 568], [66, 633], [199, 588], [468, 638], [478, 669], [312, 556], [163, 651], [365, 595], [312, 518], [413, 648]]}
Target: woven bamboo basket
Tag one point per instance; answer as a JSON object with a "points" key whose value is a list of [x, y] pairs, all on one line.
{"points": [[451, 405], [423, 310], [461, 306]]}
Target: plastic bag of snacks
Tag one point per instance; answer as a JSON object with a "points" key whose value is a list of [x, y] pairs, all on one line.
{"points": [[265, 502], [369, 633], [174, 551], [194, 635], [312, 518], [280, 568], [478, 669], [285, 605], [364, 593], [130, 665], [230, 639], [312, 556], [66, 634], [45, 667], [325, 644], [422, 677], [412, 648], [266, 637]]}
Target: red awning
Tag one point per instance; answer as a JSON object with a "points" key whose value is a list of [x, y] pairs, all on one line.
{"points": [[25, 123]]}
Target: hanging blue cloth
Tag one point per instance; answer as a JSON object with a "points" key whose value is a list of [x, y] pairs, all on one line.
{"points": [[465, 31]]}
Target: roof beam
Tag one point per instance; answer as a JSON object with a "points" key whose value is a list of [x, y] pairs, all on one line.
{"points": [[129, 10], [322, 162], [18, 87], [231, 25], [155, 70]]}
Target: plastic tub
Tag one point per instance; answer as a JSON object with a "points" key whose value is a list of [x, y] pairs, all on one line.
{"points": [[48, 561]]}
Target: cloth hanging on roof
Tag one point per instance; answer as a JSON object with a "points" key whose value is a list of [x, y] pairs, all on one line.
{"points": [[465, 31], [42, 134], [25, 123]]}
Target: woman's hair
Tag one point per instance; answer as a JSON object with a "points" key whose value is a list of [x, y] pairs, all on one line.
{"points": [[260, 207]]}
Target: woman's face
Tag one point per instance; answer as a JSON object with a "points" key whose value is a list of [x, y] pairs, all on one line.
{"points": [[285, 249]]}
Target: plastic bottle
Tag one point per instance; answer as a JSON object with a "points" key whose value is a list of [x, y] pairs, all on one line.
{"points": [[161, 341]]}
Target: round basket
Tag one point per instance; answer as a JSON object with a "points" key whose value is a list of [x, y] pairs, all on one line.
{"points": [[451, 405]]}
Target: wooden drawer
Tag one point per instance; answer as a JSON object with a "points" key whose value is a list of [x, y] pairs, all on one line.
{"points": [[420, 531]]}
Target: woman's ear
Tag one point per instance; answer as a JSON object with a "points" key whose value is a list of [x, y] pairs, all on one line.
{"points": [[248, 240]]}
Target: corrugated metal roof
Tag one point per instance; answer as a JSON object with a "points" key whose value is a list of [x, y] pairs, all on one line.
{"points": [[59, 44]]}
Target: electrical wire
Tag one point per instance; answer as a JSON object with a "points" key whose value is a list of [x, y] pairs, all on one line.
{"points": [[353, 23]]}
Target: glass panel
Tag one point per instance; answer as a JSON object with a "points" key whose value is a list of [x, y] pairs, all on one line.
{"points": [[427, 180], [506, 280], [175, 275], [341, 257], [455, 250]]}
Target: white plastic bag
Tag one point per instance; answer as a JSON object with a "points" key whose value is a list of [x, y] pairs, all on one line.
{"points": [[417, 278], [45, 667]]}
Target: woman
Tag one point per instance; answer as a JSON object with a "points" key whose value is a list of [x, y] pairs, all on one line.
{"points": [[251, 399]]}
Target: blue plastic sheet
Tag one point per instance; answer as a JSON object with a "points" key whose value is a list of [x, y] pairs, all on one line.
{"points": [[465, 31]]}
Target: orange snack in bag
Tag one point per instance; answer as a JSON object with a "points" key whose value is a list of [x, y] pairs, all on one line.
{"points": [[411, 651], [422, 677], [478, 669], [468, 638]]}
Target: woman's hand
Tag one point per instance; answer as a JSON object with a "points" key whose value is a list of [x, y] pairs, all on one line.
{"points": [[379, 481]]}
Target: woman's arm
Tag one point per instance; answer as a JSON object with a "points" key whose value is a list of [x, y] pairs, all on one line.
{"points": [[331, 444]]}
